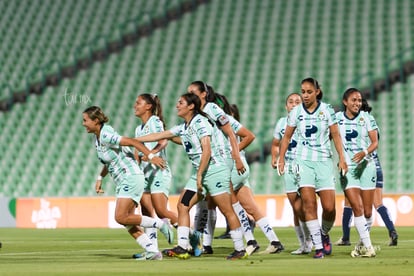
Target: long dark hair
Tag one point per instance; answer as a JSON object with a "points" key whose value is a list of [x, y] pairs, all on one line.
{"points": [[191, 98], [315, 84], [365, 106], [211, 96], [155, 103]]}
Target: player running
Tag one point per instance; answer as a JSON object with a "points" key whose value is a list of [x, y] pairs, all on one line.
{"points": [[118, 160], [157, 181]]}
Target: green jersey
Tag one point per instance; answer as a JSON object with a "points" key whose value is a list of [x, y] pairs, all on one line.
{"points": [[220, 118], [191, 135], [153, 125], [354, 133], [119, 160], [313, 131], [278, 134]]}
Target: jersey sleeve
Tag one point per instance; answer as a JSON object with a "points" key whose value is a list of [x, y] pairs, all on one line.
{"points": [[235, 125], [203, 128], [278, 129], [177, 130], [157, 126], [331, 115], [372, 123], [291, 118], [110, 137], [217, 114]]}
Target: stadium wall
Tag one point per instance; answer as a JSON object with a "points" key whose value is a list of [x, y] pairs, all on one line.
{"points": [[91, 212], [7, 212]]}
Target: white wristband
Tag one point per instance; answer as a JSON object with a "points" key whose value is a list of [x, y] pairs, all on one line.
{"points": [[366, 152], [99, 178], [150, 156]]}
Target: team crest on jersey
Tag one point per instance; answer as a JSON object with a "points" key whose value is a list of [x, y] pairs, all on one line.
{"points": [[321, 116], [361, 121], [190, 131]]}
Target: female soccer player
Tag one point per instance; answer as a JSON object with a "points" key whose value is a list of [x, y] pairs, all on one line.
{"points": [[290, 178], [118, 161], [360, 138], [210, 173], [315, 122], [157, 181], [226, 137], [242, 196], [378, 204]]}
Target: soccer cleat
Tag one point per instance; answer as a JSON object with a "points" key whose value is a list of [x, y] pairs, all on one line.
{"points": [[167, 231], [299, 251], [225, 235], [252, 247], [342, 242], [393, 238], [177, 252], [148, 256], [319, 254], [368, 252], [237, 255], [327, 245], [308, 247], [195, 242], [356, 252], [273, 248], [138, 255], [207, 249]]}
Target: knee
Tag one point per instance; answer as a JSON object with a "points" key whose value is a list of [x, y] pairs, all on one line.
{"points": [[368, 213], [181, 208], [330, 210], [120, 219]]}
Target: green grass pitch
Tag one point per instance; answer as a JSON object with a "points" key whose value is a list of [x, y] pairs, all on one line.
{"points": [[108, 252]]}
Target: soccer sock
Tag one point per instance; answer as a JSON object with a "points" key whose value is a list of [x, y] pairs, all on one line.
{"points": [[146, 243], [383, 211], [148, 222], [362, 228], [200, 217], [305, 230], [300, 235], [346, 223], [369, 223], [267, 229], [209, 229], [152, 234], [244, 221], [315, 233], [326, 226], [183, 233], [237, 237]]}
